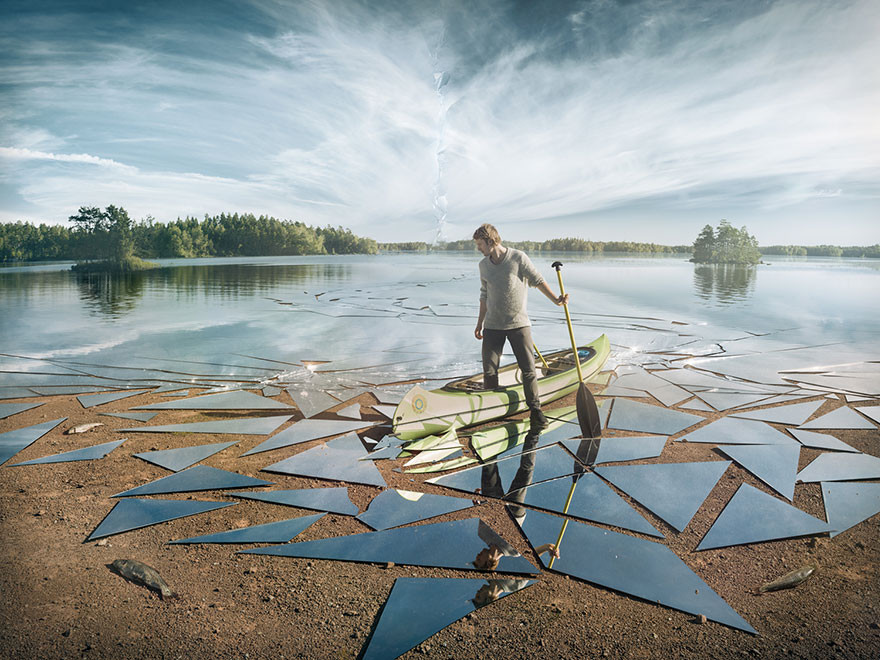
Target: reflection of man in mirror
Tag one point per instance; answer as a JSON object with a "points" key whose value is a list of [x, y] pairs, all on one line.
{"points": [[505, 275]]}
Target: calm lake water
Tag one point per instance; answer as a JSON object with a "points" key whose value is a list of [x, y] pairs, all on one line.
{"points": [[406, 307]]}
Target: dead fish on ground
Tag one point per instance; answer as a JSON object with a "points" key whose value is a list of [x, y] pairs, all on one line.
{"points": [[790, 580], [82, 428], [139, 573]]}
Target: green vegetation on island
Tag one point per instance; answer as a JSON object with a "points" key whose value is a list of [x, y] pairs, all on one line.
{"points": [[725, 245]]}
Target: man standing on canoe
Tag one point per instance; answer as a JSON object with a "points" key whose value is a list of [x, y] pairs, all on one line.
{"points": [[505, 275]]}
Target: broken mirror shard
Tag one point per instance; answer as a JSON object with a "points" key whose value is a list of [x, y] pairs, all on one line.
{"points": [[84, 454], [385, 410], [629, 415], [504, 439], [306, 430], [793, 414], [336, 460], [871, 411], [848, 504], [591, 499], [841, 467], [331, 500], [842, 418], [629, 565], [753, 516], [393, 508], [382, 454], [246, 426], [135, 513], [417, 608], [91, 400], [351, 412], [10, 409], [136, 416], [387, 397], [613, 450], [821, 441], [696, 404], [200, 477], [235, 400], [433, 456], [12, 442], [175, 393], [671, 491], [731, 431], [456, 544], [782, 398], [443, 466], [727, 400], [275, 532], [311, 402], [183, 457], [775, 465]]}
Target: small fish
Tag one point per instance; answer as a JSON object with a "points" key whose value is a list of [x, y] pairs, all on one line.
{"points": [[790, 580], [139, 573], [82, 428]]}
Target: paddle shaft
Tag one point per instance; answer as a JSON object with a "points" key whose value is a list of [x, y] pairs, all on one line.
{"points": [[577, 358], [564, 522], [546, 366]]}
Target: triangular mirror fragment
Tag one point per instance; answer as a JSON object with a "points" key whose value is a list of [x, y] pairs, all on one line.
{"points": [[246, 426], [456, 545], [629, 415], [337, 460], [9, 409], [90, 400], [753, 516], [84, 454], [821, 441], [12, 442], [672, 491], [351, 412], [442, 466], [306, 430], [136, 513], [613, 450], [775, 465], [871, 411], [200, 477], [234, 400], [331, 500], [630, 565], [793, 414], [420, 607], [732, 431], [275, 532], [182, 457], [136, 416], [848, 504], [393, 508], [696, 404], [311, 402], [727, 400], [841, 467], [842, 418]]}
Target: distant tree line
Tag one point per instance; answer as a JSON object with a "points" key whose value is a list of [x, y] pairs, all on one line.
{"points": [[871, 251], [112, 235], [550, 245]]}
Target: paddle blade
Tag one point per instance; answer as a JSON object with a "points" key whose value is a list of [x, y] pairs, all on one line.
{"points": [[588, 413]]}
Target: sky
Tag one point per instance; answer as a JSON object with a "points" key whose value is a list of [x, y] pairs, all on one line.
{"points": [[638, 120]]}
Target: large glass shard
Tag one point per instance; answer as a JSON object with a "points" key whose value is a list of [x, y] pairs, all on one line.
{"points": [[385, 453], [91, 400], [731, 431], [456, 544], [841, 467], [842, 418], [12, 442], [10, 409], [672, 491], [793, 414], [84, 454], [235, 400], [591, 499], [393, 508], [496, 440], [136, 416], [15, 393], [246, 426], [183, 457], [200, 477], [696, 404], [846, 505], [775, 465], [782, 398], [727, 400], [443, 466], [613, 450], [306, 430], [337, 460], [136, 513], [629, 415], [331, 500], [871, 411], [311, 401], [816, 440], [385, 410], [275, 532], [753, 516], [433, 456], [351, 412], [420, 607], [630, 565], [388, 397]]}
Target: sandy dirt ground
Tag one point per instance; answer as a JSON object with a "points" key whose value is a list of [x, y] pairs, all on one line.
{"points": [[58, 599]]}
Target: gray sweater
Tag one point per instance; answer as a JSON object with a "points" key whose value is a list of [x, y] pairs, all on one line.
{"points": [[504, 288]]}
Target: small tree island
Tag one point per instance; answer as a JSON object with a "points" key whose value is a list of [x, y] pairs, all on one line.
{"points": [[106, 234], [726, 245]]}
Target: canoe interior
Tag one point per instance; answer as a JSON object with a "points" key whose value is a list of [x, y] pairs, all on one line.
{"points": [[509, 375]]}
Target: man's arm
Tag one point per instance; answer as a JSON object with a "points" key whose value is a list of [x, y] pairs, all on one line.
{"points": [[478, 331], [544, 288]]}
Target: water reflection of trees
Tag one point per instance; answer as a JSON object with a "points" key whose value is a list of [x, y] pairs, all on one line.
{"points": [[724, 283], [110, 294]]}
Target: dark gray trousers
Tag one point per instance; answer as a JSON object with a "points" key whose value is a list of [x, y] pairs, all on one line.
{"points": [[521, 342]]}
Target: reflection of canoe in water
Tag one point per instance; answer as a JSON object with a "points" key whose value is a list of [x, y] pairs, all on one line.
{"points": [[464, 402]]}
